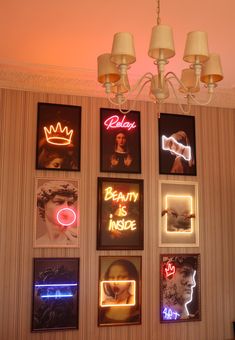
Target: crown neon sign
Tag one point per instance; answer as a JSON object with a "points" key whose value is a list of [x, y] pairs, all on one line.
{"points": [[114, 122], [179, 149], [57, 135], [103, 297]]}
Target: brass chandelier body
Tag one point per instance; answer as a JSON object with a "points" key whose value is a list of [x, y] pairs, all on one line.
{"points": [[204, 67]]}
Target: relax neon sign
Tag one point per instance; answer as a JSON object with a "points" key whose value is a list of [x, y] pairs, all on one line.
{"points": [[114, 122]]}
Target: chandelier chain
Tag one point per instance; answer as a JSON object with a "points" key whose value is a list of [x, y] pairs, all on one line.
{"points": [[158, 12]]}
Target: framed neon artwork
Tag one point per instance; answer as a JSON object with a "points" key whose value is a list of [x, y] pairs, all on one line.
{"points": [[55, 294], [119, 290], [58, 137], [120, 149], [120, 213]]}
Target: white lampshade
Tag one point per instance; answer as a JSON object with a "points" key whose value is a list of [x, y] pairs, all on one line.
{"points": [[157, 90], [196, 47], [212, 70], [188, 78], [107, 71], [123, 50], [161, 42]]}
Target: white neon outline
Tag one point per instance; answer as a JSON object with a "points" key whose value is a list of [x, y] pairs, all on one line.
{"points": [[179, 144], [118, 304], [194, 285], [191, 212], [66, 224]]}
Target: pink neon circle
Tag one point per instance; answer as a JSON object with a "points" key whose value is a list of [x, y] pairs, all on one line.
{"points": [[67, 211]]}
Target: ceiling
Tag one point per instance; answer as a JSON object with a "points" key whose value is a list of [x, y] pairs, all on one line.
{"points": [[63, 38]]}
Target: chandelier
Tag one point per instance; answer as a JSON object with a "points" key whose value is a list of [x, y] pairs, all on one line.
{"points": [[204, 67]]}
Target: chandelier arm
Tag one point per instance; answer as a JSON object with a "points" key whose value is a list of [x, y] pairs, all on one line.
{"points": [[174, 76], [177, 99], [147, 75], [202, 103], [126, 99], [134, 102]]}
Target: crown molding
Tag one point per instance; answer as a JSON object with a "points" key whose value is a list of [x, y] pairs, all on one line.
{"points": [[53, 79]]}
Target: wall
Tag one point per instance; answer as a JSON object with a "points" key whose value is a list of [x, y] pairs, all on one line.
{"points": [[216, 177]]}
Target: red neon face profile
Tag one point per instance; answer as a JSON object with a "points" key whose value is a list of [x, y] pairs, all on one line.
{"points": [[66, 216]]}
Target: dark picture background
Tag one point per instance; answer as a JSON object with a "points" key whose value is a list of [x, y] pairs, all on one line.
{"points": [[67, 115], [168, 125], [194, 307], [125, 239], [59, 312], [107, 143]]}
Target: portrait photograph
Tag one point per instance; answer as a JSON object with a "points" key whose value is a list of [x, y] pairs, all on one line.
{"points": [[55, 294], [119, 290], [178, 214], [57, 221], [180, 287], [120, 149], [177, 148], [120, 214], [58, 137]]}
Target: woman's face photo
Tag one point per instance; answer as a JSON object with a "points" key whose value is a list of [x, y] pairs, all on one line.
{"points": [[121, 139], [118, 273], [55, 163]]}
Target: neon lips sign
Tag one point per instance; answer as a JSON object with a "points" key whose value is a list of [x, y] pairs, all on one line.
{"points": [[114, 122], [66, 216]]}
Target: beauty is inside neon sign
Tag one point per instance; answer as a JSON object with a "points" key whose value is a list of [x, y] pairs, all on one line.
{"points": [[120, 198]]}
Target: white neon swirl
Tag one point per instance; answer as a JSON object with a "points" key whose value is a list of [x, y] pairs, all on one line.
{"points": [[191, 298], [167, 148], [60, 221]]}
